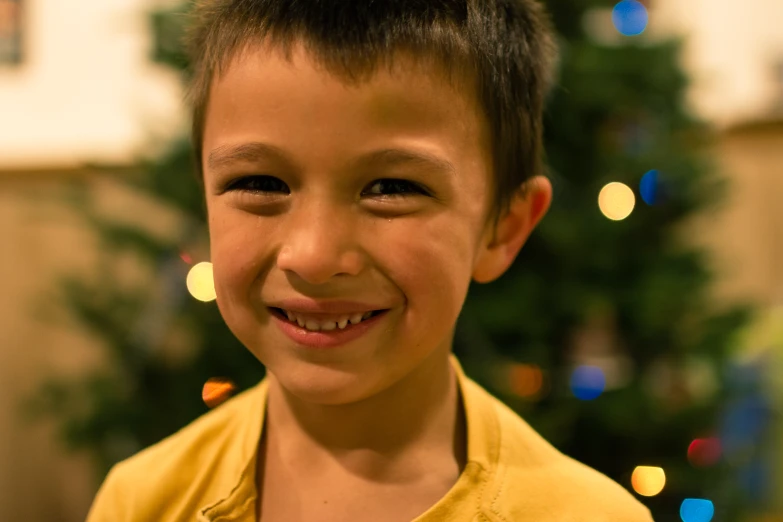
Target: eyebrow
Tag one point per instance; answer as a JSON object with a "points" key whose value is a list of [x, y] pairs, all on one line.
{"points": [[253, 152]]}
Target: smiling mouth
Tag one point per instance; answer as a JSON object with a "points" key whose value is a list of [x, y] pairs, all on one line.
{"points": [[280, 313]]}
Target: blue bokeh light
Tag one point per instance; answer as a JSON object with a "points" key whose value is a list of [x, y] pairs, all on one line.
{"points": [[744, 422], [648, 187], [655, 188], [696, 510], [587, 382], [630, 17], [756, 480]]}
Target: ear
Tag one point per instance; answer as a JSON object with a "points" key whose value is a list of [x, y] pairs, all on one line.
{"points": [[526, 210]]}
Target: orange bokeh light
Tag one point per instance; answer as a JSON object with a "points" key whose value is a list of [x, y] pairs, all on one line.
{"points": [[217, 390], [648, 481], [526, 380]]}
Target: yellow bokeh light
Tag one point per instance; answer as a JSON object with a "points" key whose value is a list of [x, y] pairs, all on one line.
{"points": [[200, 283], [648, 481], [616, 201]]}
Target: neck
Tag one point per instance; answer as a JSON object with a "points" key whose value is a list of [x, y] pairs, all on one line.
{"points": [[393, 435]]}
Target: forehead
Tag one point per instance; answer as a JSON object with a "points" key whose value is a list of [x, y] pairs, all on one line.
{"points": [[261, 92]]}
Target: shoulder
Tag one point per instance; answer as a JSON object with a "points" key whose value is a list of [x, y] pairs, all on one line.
{"points": [[572, 491], [534, 478], [187, 450], [186, 467]]}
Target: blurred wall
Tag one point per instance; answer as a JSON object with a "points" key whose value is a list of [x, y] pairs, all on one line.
{"points": [[39, 480], [86, 90], [733, 53], [746, 236]]}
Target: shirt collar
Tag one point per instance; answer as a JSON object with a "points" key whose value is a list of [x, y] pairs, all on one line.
{"points": [[482, 455], [481, 422], [239, 502]]}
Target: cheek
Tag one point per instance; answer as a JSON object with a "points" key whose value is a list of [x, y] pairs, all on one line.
{"points": [[432, 264], [233, 249]]}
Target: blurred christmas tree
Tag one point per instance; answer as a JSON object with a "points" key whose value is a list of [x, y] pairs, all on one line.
{"points": [[602, 334]]}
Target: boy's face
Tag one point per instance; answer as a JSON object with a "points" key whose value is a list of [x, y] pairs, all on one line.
{"points": [[322, 229]]}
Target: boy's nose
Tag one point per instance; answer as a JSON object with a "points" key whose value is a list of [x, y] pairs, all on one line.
{"points": [[318, 249]]}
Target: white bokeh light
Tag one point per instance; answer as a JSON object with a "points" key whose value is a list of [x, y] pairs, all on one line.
{"points": [[200, 283], [616, 201]]}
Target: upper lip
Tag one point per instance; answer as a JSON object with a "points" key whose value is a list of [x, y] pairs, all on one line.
{"points": [[310, 306]]}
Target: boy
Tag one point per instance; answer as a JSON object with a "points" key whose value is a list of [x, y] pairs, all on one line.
{"points": [[303, 111]]}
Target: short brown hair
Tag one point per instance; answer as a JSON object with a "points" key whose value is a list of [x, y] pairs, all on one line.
{"points": [[506, 46]]}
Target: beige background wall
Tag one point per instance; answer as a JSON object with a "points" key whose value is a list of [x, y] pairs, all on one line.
{"points": [[747, 235], [731, 49], [37, 481], [87, 90], [43, 238]]}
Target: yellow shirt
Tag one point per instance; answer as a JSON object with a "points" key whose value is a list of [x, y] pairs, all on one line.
{"points": [[206, 472]]}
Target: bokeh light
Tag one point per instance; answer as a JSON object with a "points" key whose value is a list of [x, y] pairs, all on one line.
{"points": [[587, 382], [217, 390], [630, 17], [616, 201], [649, 188], [526, 380], [704, 452], [200, 283], [696, 510], [648, 481], [186, 257]]}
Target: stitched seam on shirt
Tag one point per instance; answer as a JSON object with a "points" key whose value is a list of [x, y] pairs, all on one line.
{"points": [[500, 469], [213, 506], [231, 493], [483, 516], [494, 503], [483, 488], [228, 515]]}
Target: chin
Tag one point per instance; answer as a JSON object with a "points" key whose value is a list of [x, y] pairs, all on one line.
{"points": [[322, 385]]}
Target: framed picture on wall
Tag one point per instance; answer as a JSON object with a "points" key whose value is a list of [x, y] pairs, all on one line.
{"points": [[10, 32]]}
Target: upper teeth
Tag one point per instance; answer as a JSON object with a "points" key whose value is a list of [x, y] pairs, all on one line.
{"points": [[318, 324]]}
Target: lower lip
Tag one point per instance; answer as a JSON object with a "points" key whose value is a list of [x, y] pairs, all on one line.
{"points": [[322, 338]]}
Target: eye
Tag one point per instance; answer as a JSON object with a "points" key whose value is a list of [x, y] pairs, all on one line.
{"points": [[399, 187], [262, 184], [258, 184]]}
